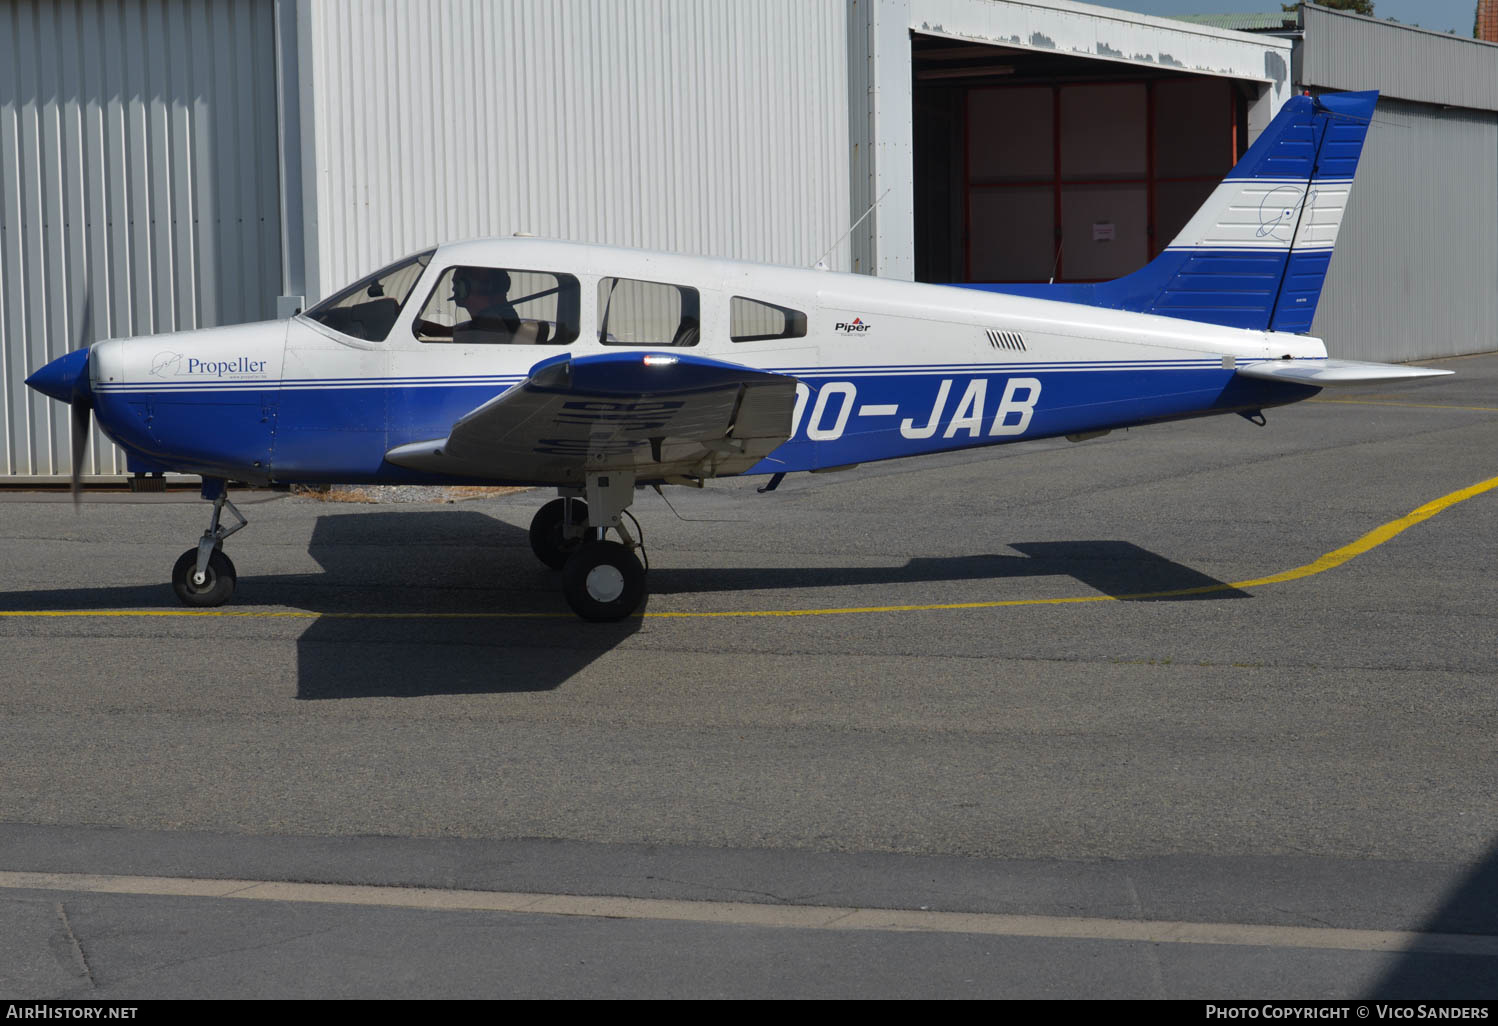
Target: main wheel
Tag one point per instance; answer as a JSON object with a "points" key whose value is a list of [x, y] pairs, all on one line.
{"points": [[218, 580], [603, 581], [548, 540]]}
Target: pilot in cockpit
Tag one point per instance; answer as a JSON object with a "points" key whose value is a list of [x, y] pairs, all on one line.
{"points": [[483, 292]]}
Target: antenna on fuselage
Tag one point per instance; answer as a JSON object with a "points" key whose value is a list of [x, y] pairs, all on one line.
{"points": [[821, 265]]}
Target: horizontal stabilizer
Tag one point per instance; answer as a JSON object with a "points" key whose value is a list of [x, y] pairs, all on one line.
{"points": [[1336, 372]]}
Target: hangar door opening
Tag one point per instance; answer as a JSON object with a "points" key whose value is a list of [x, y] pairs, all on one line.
{"points": [[1033, 167]]}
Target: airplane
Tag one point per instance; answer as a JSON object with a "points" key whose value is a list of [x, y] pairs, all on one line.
{"points": [[599, 370]]}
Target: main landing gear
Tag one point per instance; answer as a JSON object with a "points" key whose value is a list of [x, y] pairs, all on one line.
{"points": [[602, 580], [203, 575]]}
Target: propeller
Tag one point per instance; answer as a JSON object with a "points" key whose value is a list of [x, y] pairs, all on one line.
{"points": [[81, 402], [82, 409], [66, 379]]}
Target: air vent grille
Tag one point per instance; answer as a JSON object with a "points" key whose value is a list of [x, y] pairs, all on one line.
{"points": [[1011, 340]]}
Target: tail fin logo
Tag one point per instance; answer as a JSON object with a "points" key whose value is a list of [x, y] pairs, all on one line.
{"points": [[1280, 210]]}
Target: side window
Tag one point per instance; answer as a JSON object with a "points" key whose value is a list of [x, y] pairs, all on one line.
{"points": [[750, 320], [647, 313], [500, 306]]}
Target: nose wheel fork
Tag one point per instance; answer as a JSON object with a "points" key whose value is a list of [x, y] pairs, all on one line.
{"points": [[203, 575]]}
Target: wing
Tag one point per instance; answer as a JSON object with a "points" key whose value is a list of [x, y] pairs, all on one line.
{"points": [[659, 416], [1335, 372]]}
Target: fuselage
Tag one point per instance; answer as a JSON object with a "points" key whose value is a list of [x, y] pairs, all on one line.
{"points": [[886, 369]]}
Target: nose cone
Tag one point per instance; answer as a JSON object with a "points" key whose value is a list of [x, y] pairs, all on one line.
{"points": [[65, 378]]}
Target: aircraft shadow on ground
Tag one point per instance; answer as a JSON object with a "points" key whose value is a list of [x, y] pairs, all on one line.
{"points": [[385, 574], [1471, 910], [451, 562], [1117, 568]]}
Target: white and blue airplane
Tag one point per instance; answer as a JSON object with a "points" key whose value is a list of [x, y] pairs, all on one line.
{"points": [[600, 370]]}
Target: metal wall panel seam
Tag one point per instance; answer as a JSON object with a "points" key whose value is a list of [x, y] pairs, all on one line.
{"points": [[98, 289], [228, 255], [33, 207], [164, 269], [115, 270], [311, 133], [182, 96], [10, 217], [74, 158], [139, 161], [207, 233], [9, 160], [267, 227]]}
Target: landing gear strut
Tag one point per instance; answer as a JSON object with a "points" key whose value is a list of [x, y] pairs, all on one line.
{"points": [[602, 580], [203, 575]]}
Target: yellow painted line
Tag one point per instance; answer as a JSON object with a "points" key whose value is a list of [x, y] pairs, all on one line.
{"points": [[739, 913], [1329, 561], [1390, 402]]}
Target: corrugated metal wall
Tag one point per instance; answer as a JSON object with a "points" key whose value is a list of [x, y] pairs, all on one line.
{"points": [[1347, 51], [1415, 274], [703, 126], [138, 189]]}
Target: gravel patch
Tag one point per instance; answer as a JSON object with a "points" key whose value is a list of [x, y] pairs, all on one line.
{"points": [[399, 493]]}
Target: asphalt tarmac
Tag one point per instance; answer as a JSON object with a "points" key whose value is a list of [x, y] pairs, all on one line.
{"points": [[1050, 719]]}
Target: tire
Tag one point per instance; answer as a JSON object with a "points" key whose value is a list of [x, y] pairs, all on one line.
{"points": [[216, 589], [548, 542], [603, 582]]}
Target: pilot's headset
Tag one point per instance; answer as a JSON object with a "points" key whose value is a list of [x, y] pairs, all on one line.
{"points": [[487, 280]]}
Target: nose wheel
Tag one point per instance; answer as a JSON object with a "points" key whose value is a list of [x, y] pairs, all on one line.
{"points": [[213, 587]]}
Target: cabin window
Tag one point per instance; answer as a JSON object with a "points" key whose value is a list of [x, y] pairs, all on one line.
{"points": [[752, 320], [368, 308], [647, 313], [500, 306]]}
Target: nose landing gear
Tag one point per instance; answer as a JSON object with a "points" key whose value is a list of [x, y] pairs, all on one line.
{"points": [[203, 575]]}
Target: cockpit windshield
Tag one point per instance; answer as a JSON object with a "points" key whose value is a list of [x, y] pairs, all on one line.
{"points": [[368, 308]]}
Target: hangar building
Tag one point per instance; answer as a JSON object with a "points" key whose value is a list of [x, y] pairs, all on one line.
{"points": [[169, 164]]}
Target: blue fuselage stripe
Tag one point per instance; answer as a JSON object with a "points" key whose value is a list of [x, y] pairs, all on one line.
{"points": [[342, 432]]}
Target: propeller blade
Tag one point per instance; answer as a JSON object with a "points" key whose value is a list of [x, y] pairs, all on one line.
{"points": [[82, 412], [81, 405]]}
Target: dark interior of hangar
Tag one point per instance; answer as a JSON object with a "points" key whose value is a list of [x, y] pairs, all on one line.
{"points": [[1033, 166]]}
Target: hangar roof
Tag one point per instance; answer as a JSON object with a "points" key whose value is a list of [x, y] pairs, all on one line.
{"points": [[1258, 22]]}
